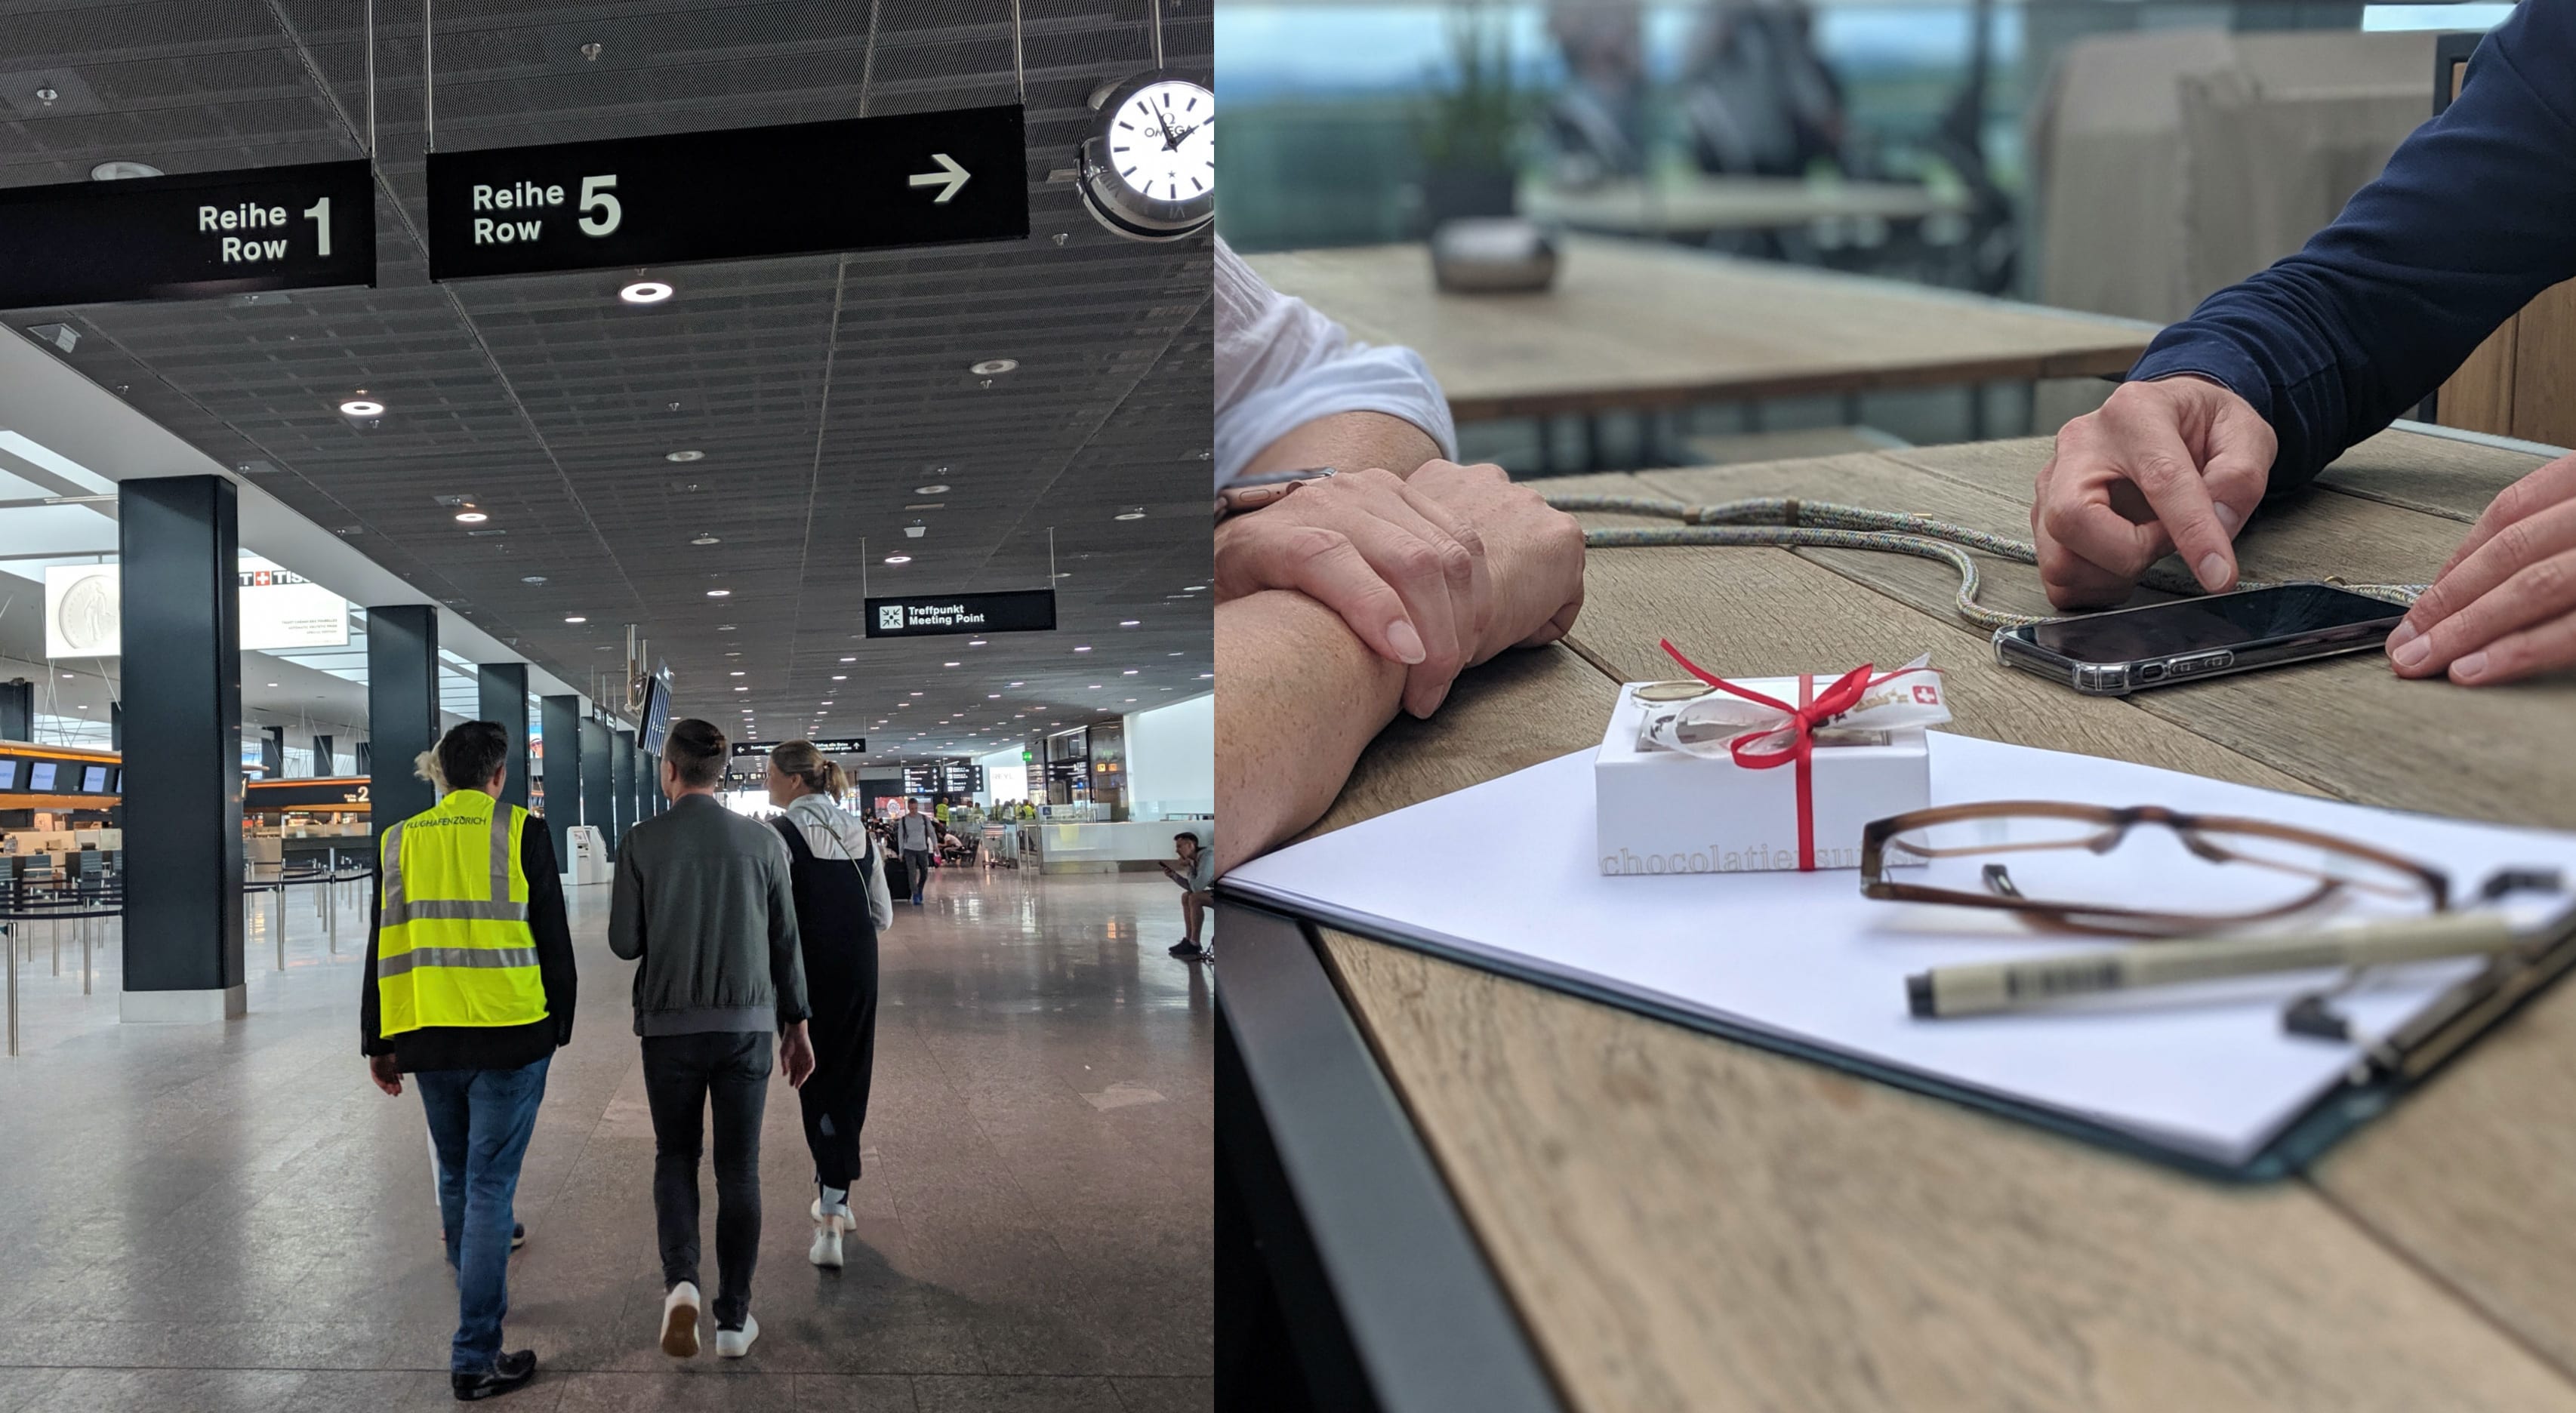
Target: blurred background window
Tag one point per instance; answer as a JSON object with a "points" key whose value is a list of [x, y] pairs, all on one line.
{"points": [[2114, 157]]}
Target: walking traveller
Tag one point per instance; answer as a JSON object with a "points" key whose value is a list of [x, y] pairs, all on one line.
{"points": [[915, 837], [704, 899], [841, 906], [470, 990]]}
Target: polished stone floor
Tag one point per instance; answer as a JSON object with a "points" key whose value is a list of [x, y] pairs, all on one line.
{"points": [[200, 1219]]}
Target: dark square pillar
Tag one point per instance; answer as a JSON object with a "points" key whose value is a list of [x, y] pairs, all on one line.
{"points": [[501, 690], [321, 757], [17, 710], [598, 787], [179, 542], [272, 753], [622, 784], [561, 724], [402, 710]]}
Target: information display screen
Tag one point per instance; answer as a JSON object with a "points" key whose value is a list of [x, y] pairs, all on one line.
{"points": [[8, 775], [947, 777], [40, 776], [94, 779]]}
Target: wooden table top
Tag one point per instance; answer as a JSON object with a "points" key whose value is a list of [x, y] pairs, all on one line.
{"points": [[1688, 1223], [1702, 205], [1639, 324]]}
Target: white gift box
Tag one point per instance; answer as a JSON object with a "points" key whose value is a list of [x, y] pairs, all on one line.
{"points": [[1666, 811]]}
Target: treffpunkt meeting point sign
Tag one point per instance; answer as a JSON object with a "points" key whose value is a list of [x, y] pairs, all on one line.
{"points": [[928, 615]]}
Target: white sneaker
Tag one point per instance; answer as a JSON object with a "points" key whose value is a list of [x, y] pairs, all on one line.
{"points": [[733, 1344], [827, 1235], [680, 1321]]}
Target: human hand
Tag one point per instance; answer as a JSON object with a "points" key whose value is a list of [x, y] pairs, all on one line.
{"points": [[386, 1071], [796, 1055], [2174, 464], [1533, 554], [2504, 607], [1405, 572]]}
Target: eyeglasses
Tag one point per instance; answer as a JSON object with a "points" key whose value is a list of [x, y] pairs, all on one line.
{"points": [[2183, 875]]}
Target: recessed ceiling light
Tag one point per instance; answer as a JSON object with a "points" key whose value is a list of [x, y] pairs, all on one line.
{"points": [[575, 618], [742, 689], [1131, 699], [272, 684], [645, 292], [898, 559], [939, 490], [948, 664], [706, 540], [733, 674], [724, 627], [532, 578], [840, 677], [992, 696], [1019, 684], [849, 659], [1084, 648], [719, 593], [1204, 676], [1094, 687], [362, 407], [1135, 513], [471, 517], [1192, 588], [1128, 622], [1130, 672], [120, 171], [684, 456], [991, 366]]}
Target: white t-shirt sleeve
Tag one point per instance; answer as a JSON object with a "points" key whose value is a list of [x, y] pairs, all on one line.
{"points": [[1280, 364]]}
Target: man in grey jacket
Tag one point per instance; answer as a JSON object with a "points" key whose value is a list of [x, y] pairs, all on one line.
{"points": [[703, 898]]}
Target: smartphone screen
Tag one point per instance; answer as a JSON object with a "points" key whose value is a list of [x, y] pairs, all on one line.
{"points": [[2219, 621]]}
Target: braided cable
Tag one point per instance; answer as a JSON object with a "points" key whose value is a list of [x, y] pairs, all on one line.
{"points": [[1786, 522]]}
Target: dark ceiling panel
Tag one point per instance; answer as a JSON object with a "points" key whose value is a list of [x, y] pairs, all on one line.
{"points": [[822, 389]]}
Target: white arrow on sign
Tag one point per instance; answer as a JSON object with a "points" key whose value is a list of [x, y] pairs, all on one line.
{"points": [[952, 179]]}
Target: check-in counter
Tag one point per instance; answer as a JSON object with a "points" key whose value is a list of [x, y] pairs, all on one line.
{"points": [[1105, 847]]}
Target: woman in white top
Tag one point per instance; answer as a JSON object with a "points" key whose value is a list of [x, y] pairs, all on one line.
{"points": [[841, 906]]}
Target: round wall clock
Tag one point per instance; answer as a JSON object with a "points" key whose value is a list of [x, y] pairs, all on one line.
{"points": [[1149, 166]]}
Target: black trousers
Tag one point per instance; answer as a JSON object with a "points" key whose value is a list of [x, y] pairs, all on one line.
{"points": [[681, 1073]]}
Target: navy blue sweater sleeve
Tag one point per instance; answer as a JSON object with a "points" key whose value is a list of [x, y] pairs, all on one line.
{"points": [[2475, 214]]}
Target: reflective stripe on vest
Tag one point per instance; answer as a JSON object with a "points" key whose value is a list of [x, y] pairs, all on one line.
{"points": [[454, 947]]}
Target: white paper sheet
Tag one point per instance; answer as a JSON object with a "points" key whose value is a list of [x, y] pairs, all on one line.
{"points": [[1503, 872]]}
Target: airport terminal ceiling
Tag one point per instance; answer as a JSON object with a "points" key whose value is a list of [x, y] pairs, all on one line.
{"points": [[823, 394]]}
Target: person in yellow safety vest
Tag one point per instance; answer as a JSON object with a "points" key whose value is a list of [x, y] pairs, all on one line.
{"points": [[939, 810], [470, 989]]}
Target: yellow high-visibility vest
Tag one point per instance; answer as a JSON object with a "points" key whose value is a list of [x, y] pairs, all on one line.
{"points": [[454, 946]]}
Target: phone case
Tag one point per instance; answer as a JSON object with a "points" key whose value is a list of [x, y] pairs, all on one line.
{"points": [[2119, 679]]}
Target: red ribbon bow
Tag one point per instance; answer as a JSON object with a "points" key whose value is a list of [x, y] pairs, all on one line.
{"points": [[1801, 726]]}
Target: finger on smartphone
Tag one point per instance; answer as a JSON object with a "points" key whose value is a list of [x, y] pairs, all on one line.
{"points": [[2163, 469]]}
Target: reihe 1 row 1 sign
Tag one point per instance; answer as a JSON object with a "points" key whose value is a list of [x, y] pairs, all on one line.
{"points": [[930, 615], [211, 233], [847, 184]]}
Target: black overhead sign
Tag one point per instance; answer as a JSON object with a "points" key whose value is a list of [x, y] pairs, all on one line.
{"points": [[947, 777], [849, 184], [926, 615], [181, 237], [830, 746]]}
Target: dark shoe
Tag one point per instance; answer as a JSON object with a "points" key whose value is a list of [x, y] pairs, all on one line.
{"points": [[509, 1372], [518, 1235], [1186, 950]]}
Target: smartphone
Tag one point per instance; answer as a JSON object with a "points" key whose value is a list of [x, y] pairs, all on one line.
{"points": [[2116, 653]]}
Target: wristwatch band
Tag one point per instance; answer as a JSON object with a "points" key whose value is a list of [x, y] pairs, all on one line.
{"points": [[1268, 488]]}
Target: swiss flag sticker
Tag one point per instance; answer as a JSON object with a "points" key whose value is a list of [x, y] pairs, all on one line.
{"points": [[1929, 696]]}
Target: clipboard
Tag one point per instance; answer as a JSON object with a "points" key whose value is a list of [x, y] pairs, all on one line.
{"points": [[2394, 1065], [2158, 1083]]}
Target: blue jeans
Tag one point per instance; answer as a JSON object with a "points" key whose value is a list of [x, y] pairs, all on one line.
{"points": [[480, 1121]]}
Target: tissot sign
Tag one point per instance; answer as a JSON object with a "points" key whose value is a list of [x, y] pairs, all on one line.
{"points": [[849, 184], [926, 615], [175, 237]]}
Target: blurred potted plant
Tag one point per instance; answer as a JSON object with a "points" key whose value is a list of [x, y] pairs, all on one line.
{"points": [[1469, 130]]}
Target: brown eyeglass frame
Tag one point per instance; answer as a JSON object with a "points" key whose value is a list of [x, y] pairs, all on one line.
{"points": [[2115, 824]]}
